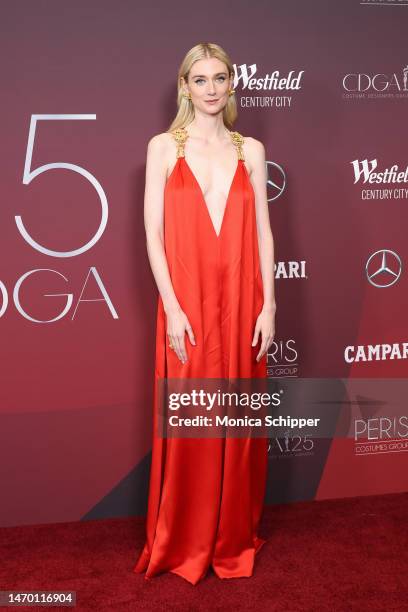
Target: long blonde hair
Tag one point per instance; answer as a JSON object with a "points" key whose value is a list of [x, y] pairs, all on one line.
{"points": [[185, 113]]}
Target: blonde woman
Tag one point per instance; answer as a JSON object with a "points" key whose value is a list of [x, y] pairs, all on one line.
{"points": [[211, 251]]}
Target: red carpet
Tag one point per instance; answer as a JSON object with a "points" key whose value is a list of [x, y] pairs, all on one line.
{"points": [[348, 554]]}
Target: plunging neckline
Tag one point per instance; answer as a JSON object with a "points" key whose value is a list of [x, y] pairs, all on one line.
{"points": [[199, 188], [217, 234]]}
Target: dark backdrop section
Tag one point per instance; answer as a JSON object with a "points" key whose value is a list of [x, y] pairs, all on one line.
{"points": [[82, 93]]}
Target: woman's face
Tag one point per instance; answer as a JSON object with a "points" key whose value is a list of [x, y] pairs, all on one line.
{"points": [[208, 84]]}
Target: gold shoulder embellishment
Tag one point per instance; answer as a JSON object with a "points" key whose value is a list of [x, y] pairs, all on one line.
{"points": [[238, 141], [180, 136]]}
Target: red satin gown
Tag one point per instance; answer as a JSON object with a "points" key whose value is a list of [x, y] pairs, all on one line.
{"points": [[206, 495]]}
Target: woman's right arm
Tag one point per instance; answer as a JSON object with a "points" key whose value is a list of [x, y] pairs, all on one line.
{"points": [[156, 170]]}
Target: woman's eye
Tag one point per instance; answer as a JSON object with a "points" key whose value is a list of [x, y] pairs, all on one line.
{"points": [[222, 78]]}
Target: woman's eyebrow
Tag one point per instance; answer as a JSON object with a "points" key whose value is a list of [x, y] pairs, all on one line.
{"points": [[203, 75]]}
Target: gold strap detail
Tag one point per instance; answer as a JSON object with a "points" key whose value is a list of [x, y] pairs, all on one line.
{"points": [[181, 135], [238, 141]]}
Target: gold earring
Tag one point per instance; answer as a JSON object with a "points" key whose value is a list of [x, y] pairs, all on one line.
{"points": [[187, 96], [231, 91]]}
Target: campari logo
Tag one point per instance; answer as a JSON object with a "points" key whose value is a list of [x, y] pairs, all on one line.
{"points": [[376, 352], [290, 269]]}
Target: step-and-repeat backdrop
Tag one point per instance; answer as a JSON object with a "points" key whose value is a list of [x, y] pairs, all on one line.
{"points": [[324, 85]]}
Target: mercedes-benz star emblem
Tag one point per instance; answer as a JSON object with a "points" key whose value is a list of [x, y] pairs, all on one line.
{"points": [[383, 268], [275, 181]]}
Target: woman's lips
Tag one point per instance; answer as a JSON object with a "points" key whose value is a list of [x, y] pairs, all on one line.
{"points": [[211, 101]]}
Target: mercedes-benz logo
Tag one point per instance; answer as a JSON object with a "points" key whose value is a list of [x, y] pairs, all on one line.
{"points": [[276, 180], [386, 265]]}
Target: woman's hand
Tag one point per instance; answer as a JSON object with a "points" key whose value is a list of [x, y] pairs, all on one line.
{"points": [[265, 325], [177, 325]]}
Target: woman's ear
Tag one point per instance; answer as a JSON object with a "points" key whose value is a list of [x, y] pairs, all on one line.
{"points": [[183, 86]]}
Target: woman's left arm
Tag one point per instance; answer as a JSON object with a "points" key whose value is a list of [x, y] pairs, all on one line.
{"points": [[265, 324]]}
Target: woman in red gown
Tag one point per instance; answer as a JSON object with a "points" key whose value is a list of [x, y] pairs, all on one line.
{"points": [[210, 246]]}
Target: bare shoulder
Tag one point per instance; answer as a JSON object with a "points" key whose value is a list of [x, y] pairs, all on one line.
{"points": [[160, 152], [160, 143], [254, 146], [254, 152]]}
